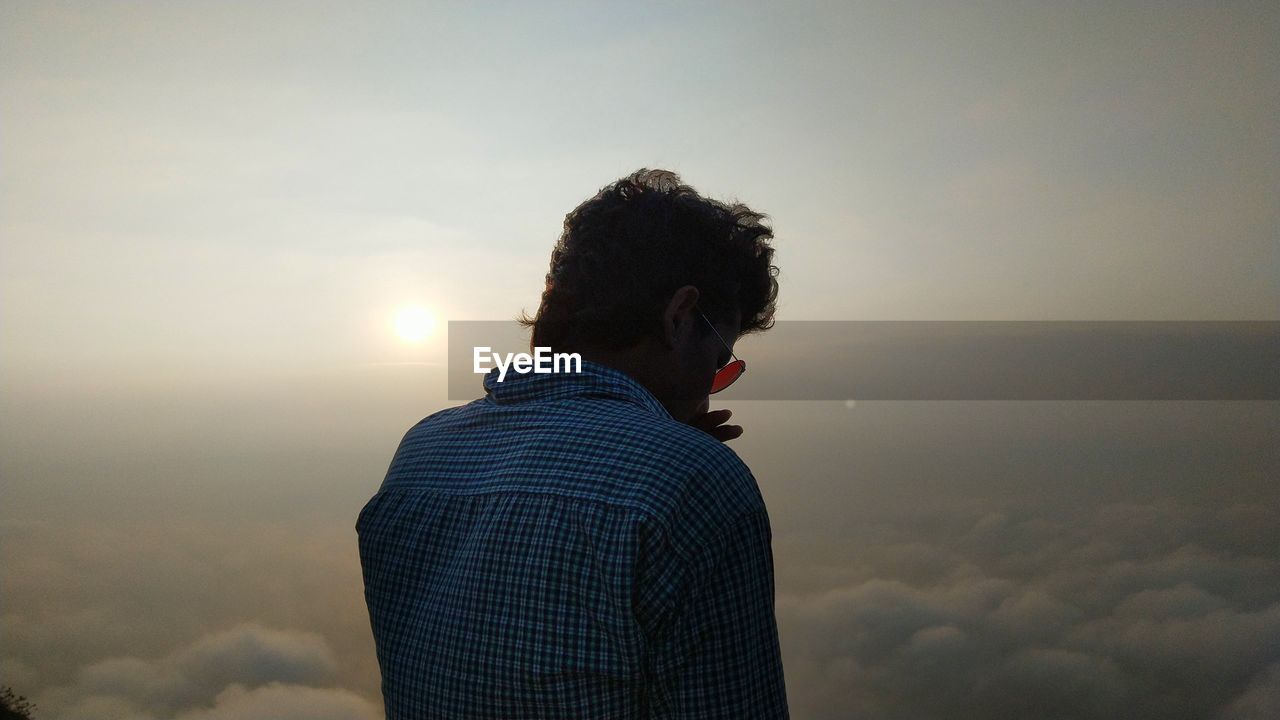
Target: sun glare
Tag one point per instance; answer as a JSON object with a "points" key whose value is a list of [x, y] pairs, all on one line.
{"points": [[414, 323]]}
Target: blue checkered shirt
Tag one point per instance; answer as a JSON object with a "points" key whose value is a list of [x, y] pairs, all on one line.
{"points": [[563, 548]]}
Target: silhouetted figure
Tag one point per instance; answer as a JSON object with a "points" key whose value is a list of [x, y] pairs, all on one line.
{"points": [[583, 545]]}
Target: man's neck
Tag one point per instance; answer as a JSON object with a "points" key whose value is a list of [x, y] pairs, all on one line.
{"points": [[637, 362]]}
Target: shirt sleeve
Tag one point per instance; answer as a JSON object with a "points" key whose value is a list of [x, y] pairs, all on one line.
{"points": [[718, 654]]}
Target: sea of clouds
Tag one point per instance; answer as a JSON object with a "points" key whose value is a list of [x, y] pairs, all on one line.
{"points": [[932, 561], [1160, 610]]}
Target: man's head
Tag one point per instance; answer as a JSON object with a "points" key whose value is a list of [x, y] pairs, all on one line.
{"points": [[633, 269]]}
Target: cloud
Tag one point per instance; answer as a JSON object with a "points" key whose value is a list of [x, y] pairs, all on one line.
{"points": [[17, 674], [90, 628], [1260, 701], [249, 653], [1053, 682], [198, 675], [168, 612], [277, 701], [95, 707], [1162, 609], [1115, 611], [273, 701], [1224, 645]]}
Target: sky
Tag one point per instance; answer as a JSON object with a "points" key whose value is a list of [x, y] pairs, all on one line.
{"points": [[211, 214]]}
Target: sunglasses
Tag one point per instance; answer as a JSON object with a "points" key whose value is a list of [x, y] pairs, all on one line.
{"points": [[726, 375]]}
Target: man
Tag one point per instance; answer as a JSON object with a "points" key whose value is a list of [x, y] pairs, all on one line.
{"points": [[583, 545]]}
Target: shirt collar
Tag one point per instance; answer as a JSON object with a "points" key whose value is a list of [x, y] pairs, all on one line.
{"points": [[595, 380]]}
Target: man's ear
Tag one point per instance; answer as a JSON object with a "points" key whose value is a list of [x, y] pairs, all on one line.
{"points": [[678, 314]]}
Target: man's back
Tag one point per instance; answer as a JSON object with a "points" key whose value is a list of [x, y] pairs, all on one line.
{"points": [[563, 548]]}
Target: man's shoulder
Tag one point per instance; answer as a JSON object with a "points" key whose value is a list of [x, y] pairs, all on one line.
{"points": [[693, 479], [674, 441], [655, 464], [603, 421]]}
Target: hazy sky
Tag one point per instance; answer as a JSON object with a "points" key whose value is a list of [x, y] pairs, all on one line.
{"points": [[211, 212]]}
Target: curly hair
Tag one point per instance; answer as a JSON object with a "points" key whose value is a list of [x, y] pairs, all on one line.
{"points": [[624, 252]]}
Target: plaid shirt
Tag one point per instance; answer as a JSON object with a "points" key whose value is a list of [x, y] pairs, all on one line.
{"points": [[563, 548]]}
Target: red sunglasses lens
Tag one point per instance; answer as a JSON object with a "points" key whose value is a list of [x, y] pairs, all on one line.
{"points": [[727, 375]]}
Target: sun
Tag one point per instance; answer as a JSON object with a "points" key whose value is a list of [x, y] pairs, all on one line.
{"points": [[414, 323]]}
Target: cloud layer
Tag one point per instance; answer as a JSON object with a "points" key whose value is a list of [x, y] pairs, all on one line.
{"points": [[1162, 609], [172, 617], [247, 671], [1136, 610]]}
